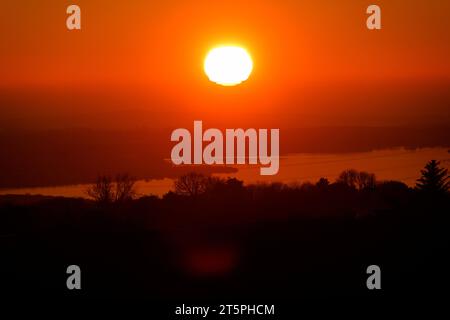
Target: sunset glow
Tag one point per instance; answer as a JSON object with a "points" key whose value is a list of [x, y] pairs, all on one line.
{"points": [[219, 159], [228, 65]]}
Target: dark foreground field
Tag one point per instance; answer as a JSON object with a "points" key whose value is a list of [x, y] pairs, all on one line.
{"points": [[266, 243]]}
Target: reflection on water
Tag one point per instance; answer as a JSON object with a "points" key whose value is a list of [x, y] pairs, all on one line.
{"points": [[390, 164], [393, 164], [143, 187]]}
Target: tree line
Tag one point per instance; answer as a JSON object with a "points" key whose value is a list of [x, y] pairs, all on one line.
{"points": [[434, 180]]}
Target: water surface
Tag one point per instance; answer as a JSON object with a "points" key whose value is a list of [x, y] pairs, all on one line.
{"points": [[389, 164]]}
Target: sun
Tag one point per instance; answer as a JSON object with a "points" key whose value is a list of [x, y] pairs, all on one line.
{"points": [[228, 65]]}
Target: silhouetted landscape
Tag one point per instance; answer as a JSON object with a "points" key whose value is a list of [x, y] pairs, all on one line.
{"points": [[218, 238], [208, 153], [74, 156]]}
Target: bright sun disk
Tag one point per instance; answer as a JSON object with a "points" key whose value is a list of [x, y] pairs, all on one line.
{"points": [[228, 65]]}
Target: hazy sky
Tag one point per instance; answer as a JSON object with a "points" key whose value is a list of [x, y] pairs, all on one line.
{"points": [[137, 66], [135, 62]]}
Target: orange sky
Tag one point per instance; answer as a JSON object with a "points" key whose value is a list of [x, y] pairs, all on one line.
{"points": [[312, 60], [134, 73]]}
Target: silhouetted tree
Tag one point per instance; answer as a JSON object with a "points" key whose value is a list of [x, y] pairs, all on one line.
{"points": [[357, 180], [392, 186], [323, 183], [393, 192], [124, 187], [102, 190], [191, 184], [365, 181], [348, 178], [434, 179], [218, 185], [105, 190]]}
